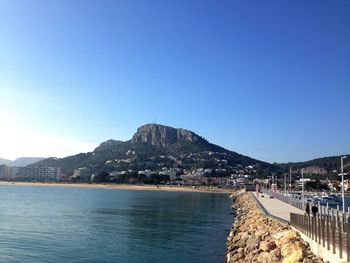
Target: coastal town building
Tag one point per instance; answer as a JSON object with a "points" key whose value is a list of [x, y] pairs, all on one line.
{"points": [[346, 185], [4, 172], [82, 174], [334, 185], [37, 173], [146, 172], [242, 180], [300, 182], [172, 173], [115, 174], [13, 173]]}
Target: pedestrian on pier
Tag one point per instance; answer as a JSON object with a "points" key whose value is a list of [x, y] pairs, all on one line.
{"points": [[307, 209], [314, 210]]}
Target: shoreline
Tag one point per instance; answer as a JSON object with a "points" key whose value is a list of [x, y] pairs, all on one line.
{"points": [[125, 187]]}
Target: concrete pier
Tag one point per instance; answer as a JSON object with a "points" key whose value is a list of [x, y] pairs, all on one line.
{"points": [[277, 208], [281, 211]]}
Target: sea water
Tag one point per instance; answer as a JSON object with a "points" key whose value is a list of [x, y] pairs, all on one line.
{"points": [[64, 224]]}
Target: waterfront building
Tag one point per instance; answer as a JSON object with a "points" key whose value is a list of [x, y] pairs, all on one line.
{"points": [[82, 174], [146, 172], [13, 172], [300, 182], [208, 171], [346, 185], [4, 172], [193, 178], [36, 173], [172, 173], [242, 180]]}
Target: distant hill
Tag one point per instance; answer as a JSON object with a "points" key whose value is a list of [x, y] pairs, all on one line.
{"points": [[22, 161], [154, 146], [5, 161], [320, 166]]}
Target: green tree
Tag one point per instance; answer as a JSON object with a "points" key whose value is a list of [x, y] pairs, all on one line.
{"points": [[101, 177], [315, 185]]}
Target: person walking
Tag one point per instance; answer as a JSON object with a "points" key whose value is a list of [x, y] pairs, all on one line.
{"points": [[307, 209], [314, 210]]}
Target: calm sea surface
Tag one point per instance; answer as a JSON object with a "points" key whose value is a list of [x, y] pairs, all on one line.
{"points": [[58, 224]]}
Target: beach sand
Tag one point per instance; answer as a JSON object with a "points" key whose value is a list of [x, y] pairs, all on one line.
{"points": [[201, 189]]}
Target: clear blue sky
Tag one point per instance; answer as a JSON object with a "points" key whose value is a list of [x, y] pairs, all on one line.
{"points": [[268, 79]]}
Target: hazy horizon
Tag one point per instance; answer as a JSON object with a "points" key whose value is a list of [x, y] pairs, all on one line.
{"points": [[269, 80]]}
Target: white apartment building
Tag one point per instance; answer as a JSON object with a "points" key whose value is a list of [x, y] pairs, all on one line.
{"points": [[4, 172], [37, 173], [83, 173]]}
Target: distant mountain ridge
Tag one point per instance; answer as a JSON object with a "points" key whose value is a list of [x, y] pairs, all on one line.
{"points": [[323, 165], [152, 145], [22, 161], [5, 161]]}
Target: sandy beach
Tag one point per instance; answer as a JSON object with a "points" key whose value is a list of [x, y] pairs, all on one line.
{"points": [[201, 189]]}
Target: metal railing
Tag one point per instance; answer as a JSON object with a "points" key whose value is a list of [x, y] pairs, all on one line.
{"points": [[287, 199], [330, 227], [301, 204], [332, 231]]}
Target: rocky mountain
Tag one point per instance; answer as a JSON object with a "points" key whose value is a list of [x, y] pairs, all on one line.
{"points": [[172, 140], [152, 147], [22, 161], [164, 136]]}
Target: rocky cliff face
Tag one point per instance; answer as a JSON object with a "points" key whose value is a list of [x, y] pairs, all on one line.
{"points": [[164, 136]]}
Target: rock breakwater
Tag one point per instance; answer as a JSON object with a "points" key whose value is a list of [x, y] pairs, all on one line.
{"points": [[257, 238]]}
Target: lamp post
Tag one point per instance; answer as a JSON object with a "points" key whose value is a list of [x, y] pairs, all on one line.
{"points": [[302, 187], [342, 182], [290, 179]]}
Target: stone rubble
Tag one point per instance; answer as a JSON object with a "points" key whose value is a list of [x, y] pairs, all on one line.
{"points": [[257, 238]]}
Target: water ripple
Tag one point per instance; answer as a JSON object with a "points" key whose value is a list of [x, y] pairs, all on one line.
{"points": [[57, 224]]}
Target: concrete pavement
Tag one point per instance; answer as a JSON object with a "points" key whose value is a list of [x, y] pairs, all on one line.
{"points": [[282, 210], [276, 207]]}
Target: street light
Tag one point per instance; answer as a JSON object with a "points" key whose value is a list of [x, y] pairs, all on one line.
{"points": [[285, 184], [302, 186], [342, 182], [290, 179]]}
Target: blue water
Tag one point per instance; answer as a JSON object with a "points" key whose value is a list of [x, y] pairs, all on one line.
{"points": [[58, 224]]}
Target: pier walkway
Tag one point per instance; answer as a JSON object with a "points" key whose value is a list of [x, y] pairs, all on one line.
{"points": [[327, 235], [276, 208]]}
